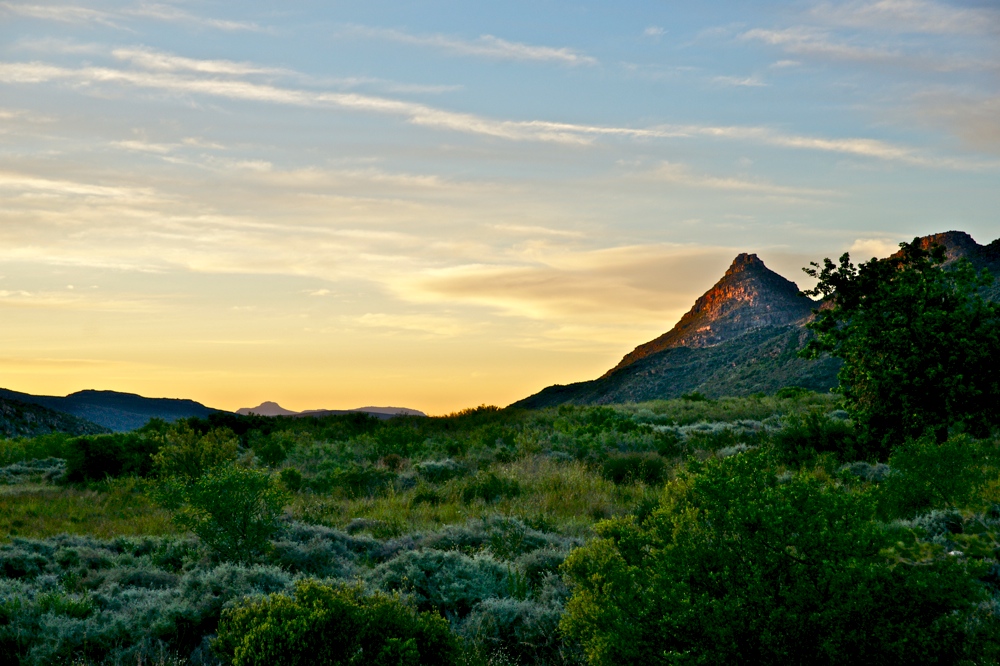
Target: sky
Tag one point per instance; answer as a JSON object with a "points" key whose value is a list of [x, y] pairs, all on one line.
{"points": [[438, 204]]}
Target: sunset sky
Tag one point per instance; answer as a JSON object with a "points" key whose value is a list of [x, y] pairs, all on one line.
{"points": [[443, 204]]}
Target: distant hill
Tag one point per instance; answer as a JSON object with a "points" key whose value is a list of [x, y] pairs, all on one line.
{"points": [[741, 337], [24, 419], [115, 411], [274, 409]]}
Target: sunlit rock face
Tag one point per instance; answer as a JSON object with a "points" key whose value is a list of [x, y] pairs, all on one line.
{"points": [[748, 297]]}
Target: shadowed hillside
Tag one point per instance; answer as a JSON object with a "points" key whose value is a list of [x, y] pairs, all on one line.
{"points": [[23, 419]]}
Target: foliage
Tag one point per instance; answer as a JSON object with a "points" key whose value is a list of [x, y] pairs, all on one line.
{"points": [[927, 475], [739, 566], [919, 344], [233, 509], [93, 458], [186, 453], [804, 436], [631, 467], [332, 625]]}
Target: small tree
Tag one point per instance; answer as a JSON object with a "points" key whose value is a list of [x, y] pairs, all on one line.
{"points": [[233, 509], [919, 344], [186, 453]]}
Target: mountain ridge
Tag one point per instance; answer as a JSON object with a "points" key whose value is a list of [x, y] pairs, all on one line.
{"points": [[740, 337]]}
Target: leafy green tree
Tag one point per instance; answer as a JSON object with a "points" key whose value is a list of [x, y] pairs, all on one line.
{"points": [[234, 510], [919, 344], [186, 454], [742, 566], [335, 626]]}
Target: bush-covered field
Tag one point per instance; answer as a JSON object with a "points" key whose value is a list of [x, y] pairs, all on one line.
{"points": [[751, 530]]}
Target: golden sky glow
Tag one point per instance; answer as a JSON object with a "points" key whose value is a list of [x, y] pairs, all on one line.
{"points": [[436, 208]]}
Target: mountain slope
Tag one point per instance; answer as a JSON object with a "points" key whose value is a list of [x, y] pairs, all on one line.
{"points": [[749, 296], [741, 337], [116, 411], [274, 409], [24, 419]]}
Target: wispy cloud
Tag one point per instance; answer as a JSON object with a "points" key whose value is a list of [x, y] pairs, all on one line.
{"points": [[910, 16], [428, 116], [486, 46], [59, 13], [682, 175], [169, 13], [158, 12], [740, 81], [165, 62]]}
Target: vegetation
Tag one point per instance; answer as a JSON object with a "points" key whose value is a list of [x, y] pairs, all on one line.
{"points": [[734, 530], [919, 344]]}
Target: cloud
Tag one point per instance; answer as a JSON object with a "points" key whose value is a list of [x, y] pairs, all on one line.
{"points": [[681, 175], [864, 249], [975, 120], [159, 12], [486, 46], [169, 13], [604, 286], [742, 81], [431, 325], [59, 13], [909, 16], [654, 31], [165, 62], [428, 116]]}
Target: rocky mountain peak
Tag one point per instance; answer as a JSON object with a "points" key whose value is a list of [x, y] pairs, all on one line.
{"points": [[749, 296]]}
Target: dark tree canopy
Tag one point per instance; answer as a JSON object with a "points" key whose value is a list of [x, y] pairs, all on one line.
{"points": [[919, 343]]}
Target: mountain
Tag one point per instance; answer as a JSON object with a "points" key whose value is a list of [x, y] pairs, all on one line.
{"points": [[749, 296], [274, 409], [741, 337], [24, 419], [267, 408], [115, 411]]}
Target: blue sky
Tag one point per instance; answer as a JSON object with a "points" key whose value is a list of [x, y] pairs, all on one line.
{"points": [[444, 204]]}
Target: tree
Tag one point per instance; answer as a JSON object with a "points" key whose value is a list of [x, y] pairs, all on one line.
{"points": [[233, 509], [742, 566], [919, 344]]}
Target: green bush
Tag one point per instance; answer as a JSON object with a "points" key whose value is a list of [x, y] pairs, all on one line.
{"points": [[926, 475], [95, 457], [804, 436], [742, 566], [490, 487], [325, 625], [233, 509], [187, 454], [632, 467], [445, 581]]}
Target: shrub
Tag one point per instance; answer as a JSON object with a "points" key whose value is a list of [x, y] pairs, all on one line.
{"points": [[526, 631], [233, 509], [926, 475], [632, 467], [738, 566], [803, 437], [490, 487], [332, 625], [93, 458], [449, 582], [187, 454], [291, 479], [438, 471]]}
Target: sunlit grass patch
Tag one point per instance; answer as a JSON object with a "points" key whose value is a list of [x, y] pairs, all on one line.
{"points": [[109, 510]]}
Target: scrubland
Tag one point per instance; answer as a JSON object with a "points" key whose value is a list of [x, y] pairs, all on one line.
{"points": [[757, 526]]}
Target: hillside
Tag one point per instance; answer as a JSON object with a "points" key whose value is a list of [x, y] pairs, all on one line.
{"points": [[741, 337], [269, 408], [115, 411], [23, 419]]}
